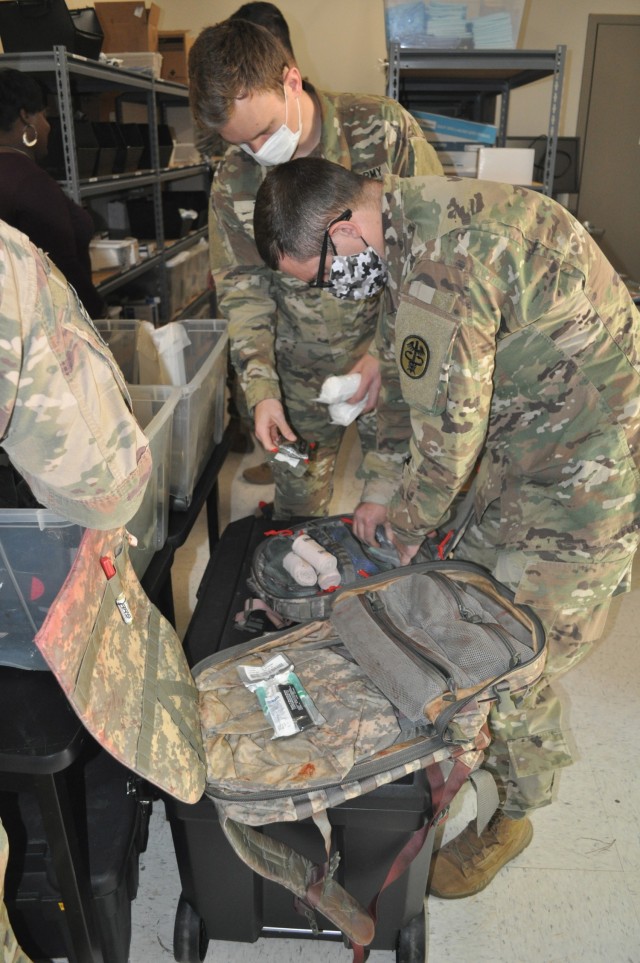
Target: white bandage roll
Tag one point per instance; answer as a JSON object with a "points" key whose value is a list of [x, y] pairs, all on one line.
{"points": [[299, 570], [338, 388], [343, 413], [329, 580], [313, 553]]}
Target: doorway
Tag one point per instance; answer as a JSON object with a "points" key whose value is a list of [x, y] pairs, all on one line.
{"points": [[609, 131]]}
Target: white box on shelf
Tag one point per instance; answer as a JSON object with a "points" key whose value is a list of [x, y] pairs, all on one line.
{"points": [[106, 253], [139, 61], [510, 165]]}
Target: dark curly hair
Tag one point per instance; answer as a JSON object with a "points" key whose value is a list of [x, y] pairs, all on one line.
{"points": [[18, 92]]}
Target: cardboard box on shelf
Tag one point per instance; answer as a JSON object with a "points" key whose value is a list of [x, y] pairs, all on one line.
{"points": [[174, 45], [128, 25]]}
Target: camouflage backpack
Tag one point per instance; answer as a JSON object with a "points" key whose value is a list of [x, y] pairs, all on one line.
{"points": [[400, 678]]}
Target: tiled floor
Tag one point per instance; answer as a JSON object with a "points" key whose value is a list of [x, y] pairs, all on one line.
{"points": [[574, 894]]}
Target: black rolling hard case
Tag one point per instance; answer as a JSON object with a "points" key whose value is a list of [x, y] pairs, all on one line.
{"points": [[110, 803], [374, 831], [247, 906]]}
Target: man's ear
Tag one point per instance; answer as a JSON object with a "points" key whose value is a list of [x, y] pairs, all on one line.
{"points": [[292, 78], [345, 229]]}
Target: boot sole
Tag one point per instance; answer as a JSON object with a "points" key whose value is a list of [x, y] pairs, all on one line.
{"points": [[478, 889]]}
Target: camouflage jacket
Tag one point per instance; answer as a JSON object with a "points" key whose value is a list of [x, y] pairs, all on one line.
{"points": [[65, 416], [272, 317], [518, 349]]}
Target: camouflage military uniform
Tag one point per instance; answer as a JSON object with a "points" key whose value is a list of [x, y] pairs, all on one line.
{"points": [[65, 418], [10, 952], [286, 338], [518, 351]]}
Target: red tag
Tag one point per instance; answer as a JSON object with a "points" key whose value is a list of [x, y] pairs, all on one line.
{"points": [[443, 544], [107, 566], [37, 589]]}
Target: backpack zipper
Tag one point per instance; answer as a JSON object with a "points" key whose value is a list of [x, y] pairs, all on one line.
{"points": [[492, 627], [422, 750]]}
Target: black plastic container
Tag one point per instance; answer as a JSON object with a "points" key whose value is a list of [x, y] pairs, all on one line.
{"points": [[110, 145], [368, 832], [141, 221], [87, 149], [116, 832], [28, 25], [131, 138], [165, 146]]}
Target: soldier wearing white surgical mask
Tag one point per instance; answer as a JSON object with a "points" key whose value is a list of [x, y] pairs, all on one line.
{"points": [[280, 146], [286, 338]]}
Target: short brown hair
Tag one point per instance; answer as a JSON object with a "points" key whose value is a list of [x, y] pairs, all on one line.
{"points": [[231, 60], [295, 203]]}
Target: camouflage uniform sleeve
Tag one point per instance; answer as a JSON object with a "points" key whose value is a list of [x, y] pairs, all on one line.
{"points": [[415, 156], [70, 431], [243, 284], [445, 345], [381, 468]]}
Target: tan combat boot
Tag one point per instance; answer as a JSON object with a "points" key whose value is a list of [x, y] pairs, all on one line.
{"points": [[259, 474], [469, 862]]}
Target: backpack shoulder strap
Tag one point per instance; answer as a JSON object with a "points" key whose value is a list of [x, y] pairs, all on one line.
{"points": [[310, 883]]}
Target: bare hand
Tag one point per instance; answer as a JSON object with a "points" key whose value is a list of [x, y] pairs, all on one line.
{"points": [[405, 552], [369, 370], [366, 518], [270, 423]]}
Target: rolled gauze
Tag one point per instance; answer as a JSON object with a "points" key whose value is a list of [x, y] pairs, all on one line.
{"points": [[338, 388], [300, 571], [313, 553], [335, 391], [329, 579]]}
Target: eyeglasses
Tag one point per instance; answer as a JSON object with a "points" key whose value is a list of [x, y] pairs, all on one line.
{"points": [[320, 281]]}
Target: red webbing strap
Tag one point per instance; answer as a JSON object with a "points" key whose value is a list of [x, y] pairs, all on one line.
{"points": [[441, 795]]}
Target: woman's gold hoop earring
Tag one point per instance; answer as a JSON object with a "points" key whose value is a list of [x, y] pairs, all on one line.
{"points": [[29, 141]]}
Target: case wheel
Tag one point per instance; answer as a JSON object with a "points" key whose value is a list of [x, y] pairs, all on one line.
{"points": [[190, 940], [412, 941]]}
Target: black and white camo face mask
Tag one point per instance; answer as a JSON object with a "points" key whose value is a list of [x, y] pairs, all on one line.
{"points": [[357, 276], [352, 276]]}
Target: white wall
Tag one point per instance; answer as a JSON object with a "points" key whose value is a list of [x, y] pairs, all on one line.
{"points": [[340, 43]]}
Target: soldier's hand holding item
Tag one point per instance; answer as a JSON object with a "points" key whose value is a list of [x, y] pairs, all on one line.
{"points": [[516, 347]]}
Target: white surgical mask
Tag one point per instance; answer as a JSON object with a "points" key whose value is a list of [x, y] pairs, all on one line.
{"points": [[281, 146]]}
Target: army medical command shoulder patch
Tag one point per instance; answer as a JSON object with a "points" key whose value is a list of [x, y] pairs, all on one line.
{"points": [[414, 356]]}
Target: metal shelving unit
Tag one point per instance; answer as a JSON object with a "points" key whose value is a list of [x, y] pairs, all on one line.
{"points": [[76, 76], [418, 77]]}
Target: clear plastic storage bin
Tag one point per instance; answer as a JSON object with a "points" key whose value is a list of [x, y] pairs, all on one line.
{"points": [[37, 549], [198, 420], [452, 25], [154, 411]]}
